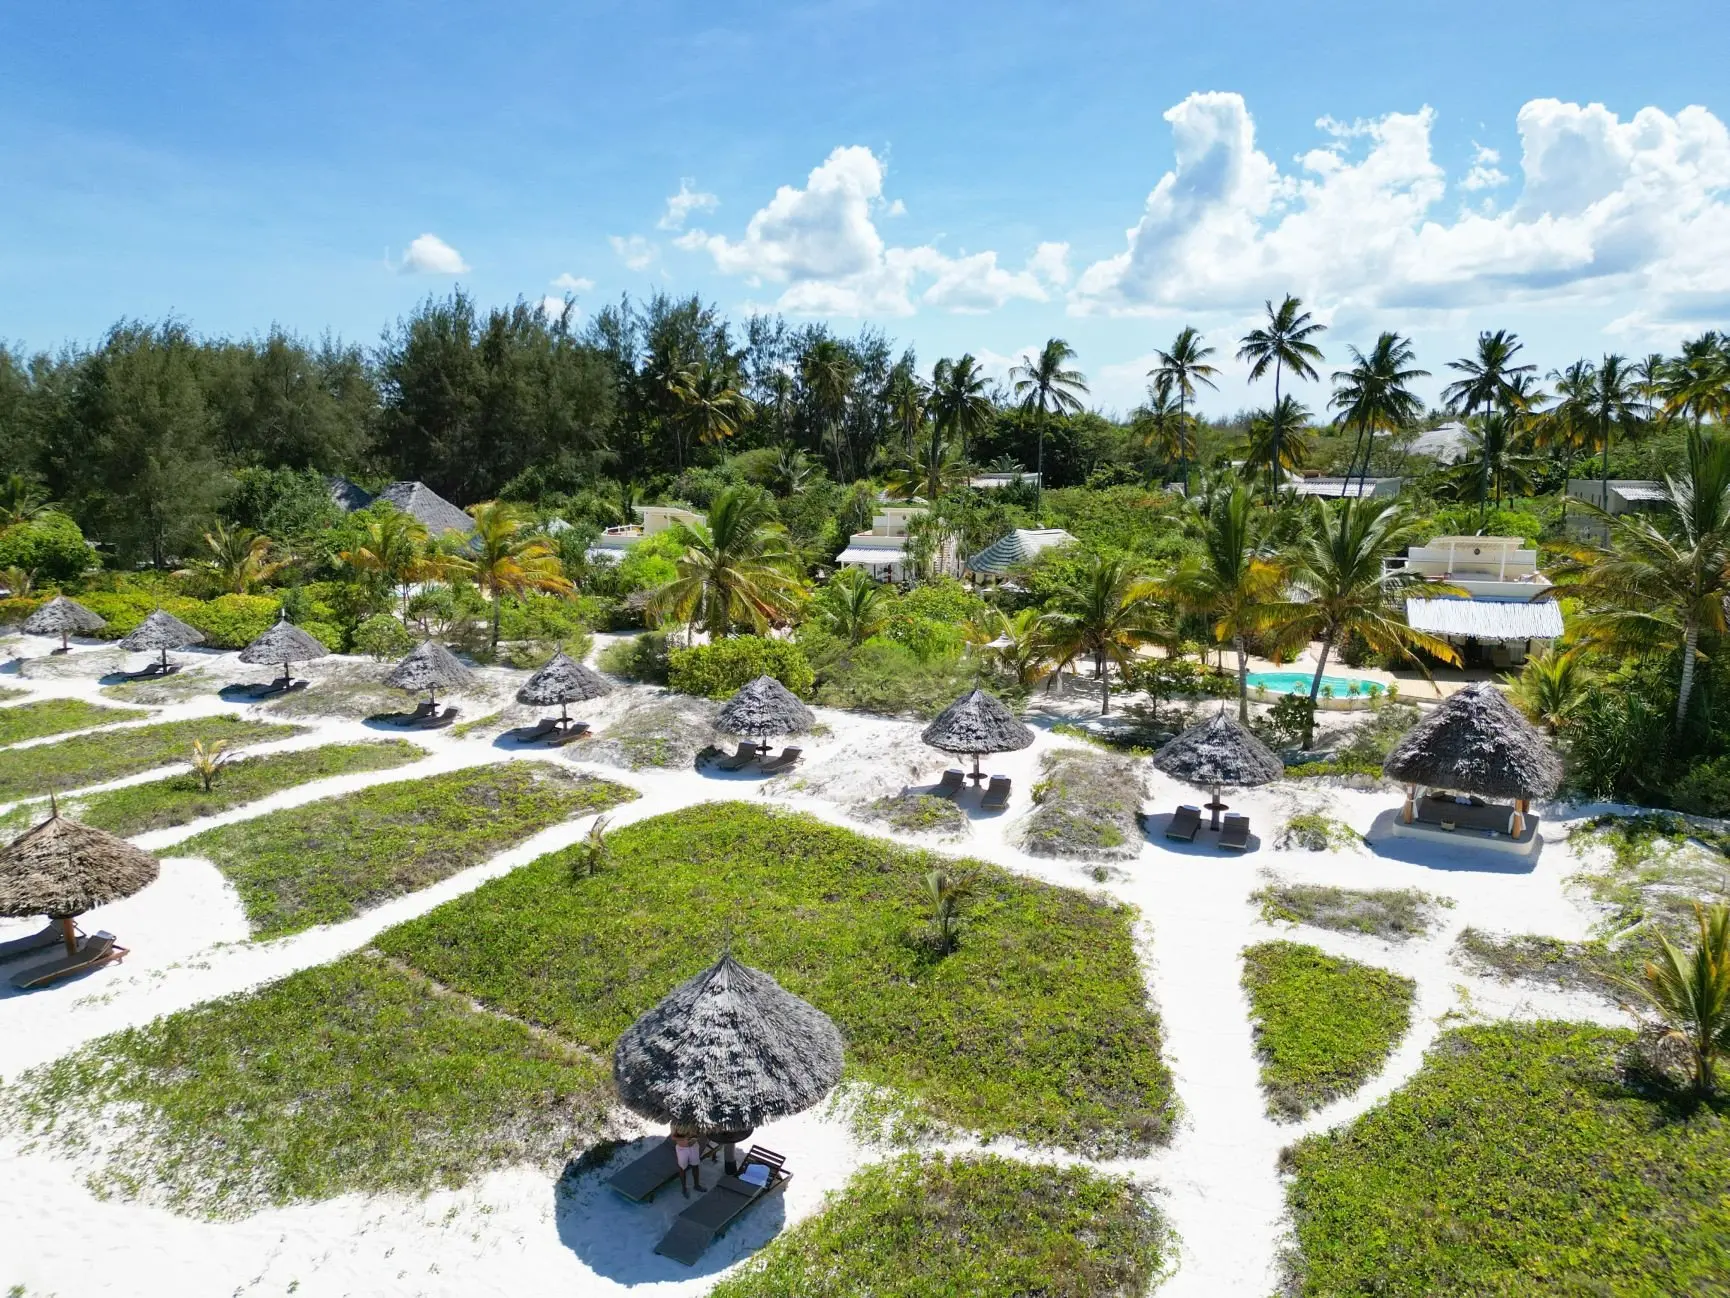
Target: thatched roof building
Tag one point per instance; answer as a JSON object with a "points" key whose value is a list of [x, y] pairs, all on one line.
{"points": [[764, 707], [435, 513], [977, 723], [62, 868], [1219, 753], [62, 616], [430, 667], [564, 681], [1477, 742], [726, 1051], [284, 643], [161, 631]]}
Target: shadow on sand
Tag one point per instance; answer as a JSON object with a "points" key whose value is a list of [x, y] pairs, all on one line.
{"points": [[1432, 855], [1206, 842]]}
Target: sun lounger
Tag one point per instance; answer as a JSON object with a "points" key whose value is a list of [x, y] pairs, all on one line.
{"points": [[1475, 813], [696, 1228], [93, 952], [996, 794], [740, 760], [281, 685], [788, 759], [152, 672], [640, 1179], [950, 784], [1234, 833], [429, 717], [37, 941], [534, 734], [575, 730], [1185, 823]]}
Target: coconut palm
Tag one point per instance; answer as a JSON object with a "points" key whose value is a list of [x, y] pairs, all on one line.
{"points": [[1488, 383], [1552, 686], [1696, 384], [1113, 612], [1613, 403], [934, 465], [1283, 343], [1276, 439], [790, 473], [737, 569], [1160, 424], [947, 893], [959, 401], [1182, 367], [395, 549], [239, 559], [827, 371], [1374, 394], [1020, 644], [503, 557], [1691, 992], [1567, 428], [1498, 459], [1648, 374], [906, 402], [707, 403], [21, 500], [1045, 386], [852, 607]]}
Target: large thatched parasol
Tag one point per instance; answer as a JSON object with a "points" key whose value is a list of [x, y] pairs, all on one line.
{"points": [[762, 709], [1476, 742], [432, 668], [284, 643], [161, 631], [726, 1051], [63, 617], [1218, 753], [62, 869], [975, 724], [564, 681]]}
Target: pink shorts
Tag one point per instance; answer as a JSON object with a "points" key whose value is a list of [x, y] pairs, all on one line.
{"points": [[688, 1155]]}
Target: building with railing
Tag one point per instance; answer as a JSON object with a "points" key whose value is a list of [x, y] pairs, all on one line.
{"points": [[1501, 612], [652, 520]]}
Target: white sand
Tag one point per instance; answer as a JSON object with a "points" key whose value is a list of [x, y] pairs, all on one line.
{"points": [[520, 1227]]}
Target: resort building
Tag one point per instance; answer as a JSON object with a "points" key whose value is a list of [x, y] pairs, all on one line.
{"points": [[1016, 547], [1625, 496], [1315, 484], [1500, 617], [652, 520], [882, 551], [991, 481], [415, 499]]}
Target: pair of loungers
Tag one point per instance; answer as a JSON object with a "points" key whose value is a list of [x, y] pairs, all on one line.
{"points": [[555, 729], [747, 753], [996, 796], [1233, 830], [428, 716], [762, 1174], [93, 952], [151, 672]]}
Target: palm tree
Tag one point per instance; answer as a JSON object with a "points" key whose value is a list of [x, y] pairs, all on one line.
{"points": [[1276, 439], [239, 559], [946, 892], [737, 569], [1552, 686], [1613, 403], [396, 550], [1021, 644], [1284, 343], [1497, 457], [1691, 992], [21, 500], [1343, 587], [827, 370], [1182, 368], [1110, 615], [503, 558], [1648, 373], [906, 401], [1374, 395], [1488, 383], [1697, 383], [959, 401], [1567, 428], [1161, 426], [791, 472], [934, 465], [853, 607], [1045, 386], [709, 404]]}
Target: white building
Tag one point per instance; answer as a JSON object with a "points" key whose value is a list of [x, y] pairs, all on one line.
{"points": [[1625, 496], [1314, 484], [882, 551], [652, 520], [1501, 616], [992, 480]]}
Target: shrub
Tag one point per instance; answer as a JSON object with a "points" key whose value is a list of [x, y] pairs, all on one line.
{"points": [[641, 658], [382, 637], [1705, 789], [647, 565], [882, 676], [49, 546], [717, 670], [232, 621], [125, 609]]}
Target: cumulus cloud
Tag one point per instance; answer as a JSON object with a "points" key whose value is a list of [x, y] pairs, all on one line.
{"points": [[635, 251], [553, 308], [1605, 208], [569, 283], [1485, 174], [682, 204], [431, 255]]}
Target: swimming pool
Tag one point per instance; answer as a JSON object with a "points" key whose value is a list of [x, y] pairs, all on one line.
{"points": [[1299, 683]]}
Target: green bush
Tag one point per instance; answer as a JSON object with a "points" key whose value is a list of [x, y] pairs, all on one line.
{"points": [[641, 658], [382, 638], [18, 607], [49, 546], [717, 670], [882, 676], [125, 609], [647, 565], [1705, 789], [233, 621]]}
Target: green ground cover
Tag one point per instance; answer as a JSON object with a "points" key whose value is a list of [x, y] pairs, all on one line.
{"points": [[1394, 914], [966, 1227], [916, 813], [112, 755], [1322, 1025], [351, 1076], [329, 860], [1087, 804], [1037, 1026], [1520, 1160], [7, 693], [55, 716]]}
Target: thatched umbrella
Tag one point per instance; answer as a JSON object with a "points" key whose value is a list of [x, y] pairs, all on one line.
{"points": [[62, 869], [726, 1051], [976, 724], [564, 681], [1219, 753], [762, 709], [431, 667], [283, 643], [161, 631], [62, 617], [1476, 742]]}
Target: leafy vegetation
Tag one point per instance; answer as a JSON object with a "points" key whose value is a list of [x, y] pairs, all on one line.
{"points": [[721, 669], [53, 716], [1323, 1025], [98, 758], [917, 813], [1394, 914], [1086, 804], [325, 861], [1314, 832]]}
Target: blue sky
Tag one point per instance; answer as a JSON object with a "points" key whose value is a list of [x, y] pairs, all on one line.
{"points": [[961, 175]]}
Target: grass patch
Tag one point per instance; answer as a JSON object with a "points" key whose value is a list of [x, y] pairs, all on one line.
{"points": [[1311, 831], [1519, 1160], [966, 1227], [98, 758], [181, 799], [1591, 966], [1322, 1025], [55, 716], [1394, 914], [916, 813], [1087, 803], [662, 733], [186, 684], [331, 859], [351, 1076], [7, 693], [1660, 864], [1037, 1027]]}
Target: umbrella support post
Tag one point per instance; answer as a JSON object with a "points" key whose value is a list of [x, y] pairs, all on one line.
{"points": [[70, 934], [1409, 812], [730, 1159], [1521, 806]]}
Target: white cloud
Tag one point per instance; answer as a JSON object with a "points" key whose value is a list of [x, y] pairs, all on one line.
{"points": [[569, 283], [1485, 174], [1606, 209], [682, 204], [554, 307], [431, 255], [635, 251]]}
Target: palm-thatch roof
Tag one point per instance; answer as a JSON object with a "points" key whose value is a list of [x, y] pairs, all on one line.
{"points": [[563, 680], [727, 1050], [977, 723], [283, 643], [62, 616], [435, 513], [1476, 742], [1219, 753], [429, 667], [63, 868], [161, 630], [762, 708]]}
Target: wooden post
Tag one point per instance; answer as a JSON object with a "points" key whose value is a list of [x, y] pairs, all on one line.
{"points": [[70, 934], [1520, 807], [1410, 811]]}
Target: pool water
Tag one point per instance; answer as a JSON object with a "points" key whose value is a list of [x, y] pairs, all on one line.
{"points": [[1299, 683]]}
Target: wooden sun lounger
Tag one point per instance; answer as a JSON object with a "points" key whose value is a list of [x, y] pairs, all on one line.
{"points": [[640, 1179], [152, 672], [568, 733], [696, 1228], [281, 685], [93, 952], [788, 759], [996, 794], [1234, 833], [1185, 824], [430, 717], [950, 785], [746, 754], [38, 941]]}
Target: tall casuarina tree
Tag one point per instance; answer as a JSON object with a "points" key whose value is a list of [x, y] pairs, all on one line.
{"points": [[1182, 367], [1375, 395], [1045, 385], [1282, 344], [1489, 381]]}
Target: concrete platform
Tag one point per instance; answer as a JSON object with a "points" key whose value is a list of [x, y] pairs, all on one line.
{"points": [[1483, 840]]}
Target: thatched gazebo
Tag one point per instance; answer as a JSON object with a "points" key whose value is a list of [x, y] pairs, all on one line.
{"points": [[1475, 742], [564, 681], [159, 633], [763, 709], [432, 668], [63, 617], [62, 869], [283, 643], [726, 1051], [976, 724], [1219, 753]]}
